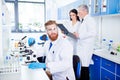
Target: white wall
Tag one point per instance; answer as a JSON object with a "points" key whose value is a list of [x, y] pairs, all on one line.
{"points": [[52, 8], [108, 27], [19, 36], [4, 29], [111, 27], [63, 2], [0, 31]]}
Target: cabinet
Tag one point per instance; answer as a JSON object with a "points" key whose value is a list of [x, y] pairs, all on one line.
{"points": [[104, 7], [104, 69], [107, 7], [107, 70], [105, 75], [95, 68], [118, 70], [106, 64], [117, 78]]}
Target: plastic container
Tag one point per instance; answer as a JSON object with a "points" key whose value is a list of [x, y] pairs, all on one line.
{"points": [[110, 45]]}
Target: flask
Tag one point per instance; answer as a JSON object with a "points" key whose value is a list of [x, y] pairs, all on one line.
{"points": [[110, 45]]}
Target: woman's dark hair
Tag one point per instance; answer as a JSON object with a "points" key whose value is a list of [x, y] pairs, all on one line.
{"points": [[74, 11]]}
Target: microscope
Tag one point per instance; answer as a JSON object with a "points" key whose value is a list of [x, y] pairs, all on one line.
{"points": [[43, 38], [24, 52], [27, 50]]}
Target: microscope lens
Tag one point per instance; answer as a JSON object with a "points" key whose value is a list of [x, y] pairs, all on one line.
{"points": [[28, 57], [34, 55]]}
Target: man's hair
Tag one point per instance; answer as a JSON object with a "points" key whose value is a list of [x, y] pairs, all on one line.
{"points": [[50, 22], [84, 7]]}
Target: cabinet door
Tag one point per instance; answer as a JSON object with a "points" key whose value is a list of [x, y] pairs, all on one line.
{"points": [[118, 69], [107, 7], [105, 75], [103, 6], [95, 68], [117, 78], [95, 7], [109, 65]]}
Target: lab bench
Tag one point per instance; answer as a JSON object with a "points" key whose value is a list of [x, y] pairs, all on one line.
{"points": [[106, 66], [21, 72], [9, 72]]}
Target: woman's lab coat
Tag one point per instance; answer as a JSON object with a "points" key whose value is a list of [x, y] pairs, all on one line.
{"points": [[85, 44], [72, 28], [59, 59]]}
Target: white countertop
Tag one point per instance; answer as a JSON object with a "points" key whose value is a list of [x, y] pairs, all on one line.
{"points": [[33, 74], [106, 54]]}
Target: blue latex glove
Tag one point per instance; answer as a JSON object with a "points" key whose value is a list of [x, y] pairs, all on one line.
{"points": [[36, 65]]}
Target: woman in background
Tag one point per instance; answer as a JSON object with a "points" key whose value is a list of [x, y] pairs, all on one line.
{"points": [[73, 26]]}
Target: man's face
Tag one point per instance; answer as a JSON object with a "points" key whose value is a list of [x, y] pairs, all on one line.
{"points": [[81, 13], [52, 32]]}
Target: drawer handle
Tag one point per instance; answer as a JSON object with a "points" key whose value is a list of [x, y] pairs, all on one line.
{"points": [[107, 64], [106, 78]]}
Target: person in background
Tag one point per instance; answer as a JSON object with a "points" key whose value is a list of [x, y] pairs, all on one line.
{"points": [[59, 56], [86, 39], [72, 26]]}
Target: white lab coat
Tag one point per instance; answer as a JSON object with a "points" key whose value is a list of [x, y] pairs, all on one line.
{"points": [[59, 59], [85, 44], [72, 28]]}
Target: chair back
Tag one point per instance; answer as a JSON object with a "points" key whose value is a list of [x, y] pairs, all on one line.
{"points": [[77, 66]]}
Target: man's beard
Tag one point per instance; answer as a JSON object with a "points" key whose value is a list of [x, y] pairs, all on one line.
{"points": [[53, 36]]}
